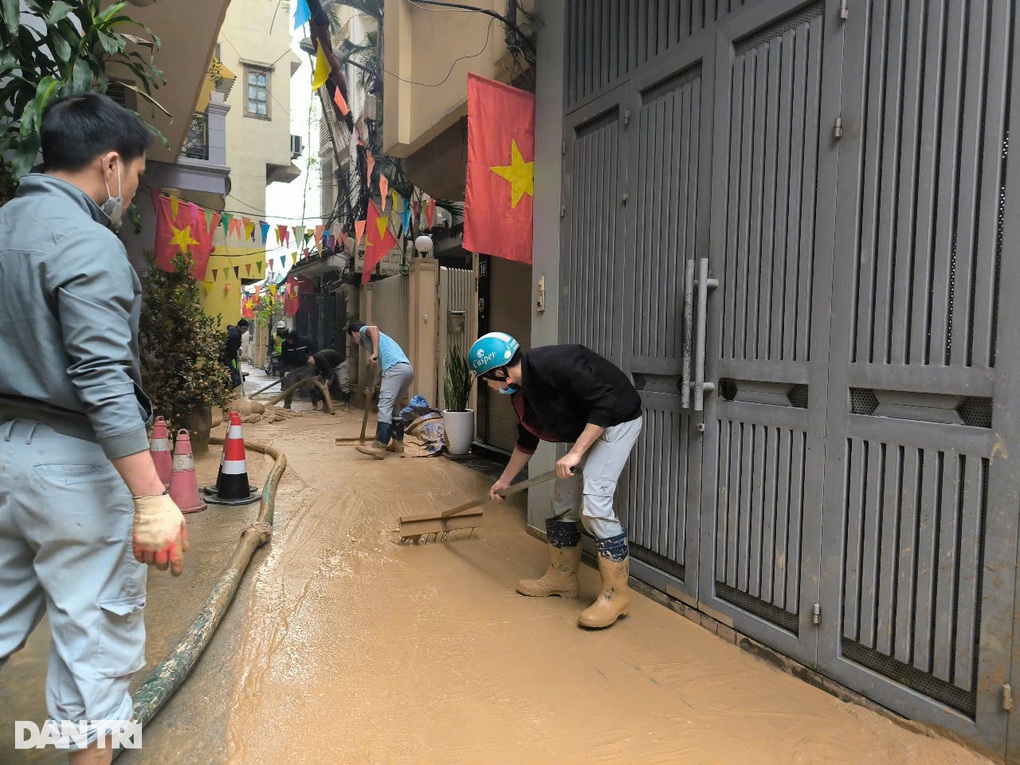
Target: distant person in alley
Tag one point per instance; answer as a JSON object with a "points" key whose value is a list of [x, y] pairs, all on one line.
{"points": [[397, 376], [231, 354], [82, 508], [570, 394]]}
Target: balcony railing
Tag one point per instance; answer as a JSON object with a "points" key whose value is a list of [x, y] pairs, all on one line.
{"points": [[196, 144]]}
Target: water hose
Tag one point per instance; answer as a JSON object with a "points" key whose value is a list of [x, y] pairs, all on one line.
{"points": [[166, 678]]}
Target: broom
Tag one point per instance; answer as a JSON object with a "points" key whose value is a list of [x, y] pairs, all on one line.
{"points": [[431, 526]]}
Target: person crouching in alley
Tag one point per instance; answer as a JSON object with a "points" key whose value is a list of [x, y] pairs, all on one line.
{"points": [[570, 394], [397, 376]]}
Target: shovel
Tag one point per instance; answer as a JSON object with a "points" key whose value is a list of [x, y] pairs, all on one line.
{"points": [[369, 396]]}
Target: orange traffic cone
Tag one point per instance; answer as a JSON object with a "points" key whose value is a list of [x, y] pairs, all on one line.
{"points": [[159, 446], [232, 487], [183, 481]]}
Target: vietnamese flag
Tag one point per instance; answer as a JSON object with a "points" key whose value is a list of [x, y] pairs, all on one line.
{"points": [[500, 170], [378, 241], [182, 230]]}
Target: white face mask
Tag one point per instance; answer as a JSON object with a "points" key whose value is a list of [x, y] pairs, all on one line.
{"points": [[114, 205]]}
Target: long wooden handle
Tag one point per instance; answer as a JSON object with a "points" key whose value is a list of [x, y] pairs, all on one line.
{"points": [[509, 492], [368, 406]]}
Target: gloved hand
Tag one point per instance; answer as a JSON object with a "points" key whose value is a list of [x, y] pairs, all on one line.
{"points": [[160, 534]]}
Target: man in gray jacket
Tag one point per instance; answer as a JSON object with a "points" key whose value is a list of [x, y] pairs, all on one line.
{"points": [[80, 492]]}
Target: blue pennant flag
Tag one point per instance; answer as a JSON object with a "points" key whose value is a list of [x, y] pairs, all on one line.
{"points": [[302, 14]]}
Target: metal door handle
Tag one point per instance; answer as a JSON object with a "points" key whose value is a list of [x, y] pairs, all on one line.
{"points": [[685, 381], [700, 386]]}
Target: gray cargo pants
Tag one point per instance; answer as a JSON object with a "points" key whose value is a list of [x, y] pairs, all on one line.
{"points": [[587, 496], [65, 549], [395, 384]]}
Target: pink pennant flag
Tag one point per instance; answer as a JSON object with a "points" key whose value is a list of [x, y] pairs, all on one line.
{"points": [[318, 233], [384, 187], [371, 166], [341, 104], [430, 212], [359, 231]]}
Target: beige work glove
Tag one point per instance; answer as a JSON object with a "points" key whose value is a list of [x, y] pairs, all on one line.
{"points": [[160, 534]]}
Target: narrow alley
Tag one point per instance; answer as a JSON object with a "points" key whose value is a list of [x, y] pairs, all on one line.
{"points": [[344, 646]]}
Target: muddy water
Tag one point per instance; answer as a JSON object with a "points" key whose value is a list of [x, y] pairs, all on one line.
{"points": [[343, 646], [356, 649]]}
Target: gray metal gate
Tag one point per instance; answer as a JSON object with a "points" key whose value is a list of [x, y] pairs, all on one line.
{"points": [[786, 220], [314, 318]]}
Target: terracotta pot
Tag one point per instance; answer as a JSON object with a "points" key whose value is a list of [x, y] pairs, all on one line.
{"points": [[199, 425]]}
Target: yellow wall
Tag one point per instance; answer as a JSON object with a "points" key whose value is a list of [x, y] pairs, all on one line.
{"points": [[421, 45], [221, 293]]}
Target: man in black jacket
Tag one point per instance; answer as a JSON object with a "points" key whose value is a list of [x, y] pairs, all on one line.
{"points": [[295, 351], [328, 365], [232, 350], [570, 394]]}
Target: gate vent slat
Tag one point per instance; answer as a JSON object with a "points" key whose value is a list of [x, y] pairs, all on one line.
{"points": [[915, 517]]}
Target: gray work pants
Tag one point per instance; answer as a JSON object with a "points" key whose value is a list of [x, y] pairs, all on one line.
{"points": [[587, 495], [395, 385], [66, 519]]}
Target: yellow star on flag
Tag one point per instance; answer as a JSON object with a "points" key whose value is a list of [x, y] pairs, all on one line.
{"points": [[383, 223], [182, 237], [519, 173]]}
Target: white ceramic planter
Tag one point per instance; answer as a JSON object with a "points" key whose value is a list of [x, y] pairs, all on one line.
{"points": [[460, 430]]}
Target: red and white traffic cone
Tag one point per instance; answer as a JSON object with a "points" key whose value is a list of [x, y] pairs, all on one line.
{"points": [[183, 481], [159, 447], [232, 487]]}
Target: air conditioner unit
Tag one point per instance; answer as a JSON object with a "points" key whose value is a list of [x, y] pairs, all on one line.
{"points": [[296, 146]]}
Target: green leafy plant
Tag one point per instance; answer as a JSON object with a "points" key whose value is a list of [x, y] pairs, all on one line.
{"points": [[216, 73], [457, 381], [180, 346], [266, 308], [66, 49]]}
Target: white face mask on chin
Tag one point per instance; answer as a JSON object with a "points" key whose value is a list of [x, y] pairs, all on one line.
{"points": [[114, 205]]}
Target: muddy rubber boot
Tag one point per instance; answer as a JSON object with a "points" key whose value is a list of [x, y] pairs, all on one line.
{"points": [[397, 444], [564, 560], [382, 440], [614, 599]]}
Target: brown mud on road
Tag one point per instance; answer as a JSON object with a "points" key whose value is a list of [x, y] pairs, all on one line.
{"points": [[343, 646]]}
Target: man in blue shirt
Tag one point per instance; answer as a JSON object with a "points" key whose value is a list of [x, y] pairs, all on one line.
{"points": [[397, 376]]}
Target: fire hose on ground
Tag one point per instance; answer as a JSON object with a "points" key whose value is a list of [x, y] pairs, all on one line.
{"points": [[171, 673]]}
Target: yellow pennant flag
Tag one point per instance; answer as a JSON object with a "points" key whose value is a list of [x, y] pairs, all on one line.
{"points": [[322, 68]]}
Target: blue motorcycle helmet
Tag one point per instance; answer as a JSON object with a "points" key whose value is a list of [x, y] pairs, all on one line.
{"points": [[493, 351]]}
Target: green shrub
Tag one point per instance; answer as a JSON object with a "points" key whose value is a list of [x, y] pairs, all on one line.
{"points": [[180, 346]]}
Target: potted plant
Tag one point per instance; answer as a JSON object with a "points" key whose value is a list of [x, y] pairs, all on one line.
{"points": [[458, 420], [180, 350]]}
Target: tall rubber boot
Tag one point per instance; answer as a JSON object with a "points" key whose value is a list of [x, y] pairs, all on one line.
{"points": [[564, 560], [614, 599], [397, 444], [383, 430]]}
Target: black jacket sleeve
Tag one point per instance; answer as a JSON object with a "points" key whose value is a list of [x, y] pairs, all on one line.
{"points": [[526, 440]]}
